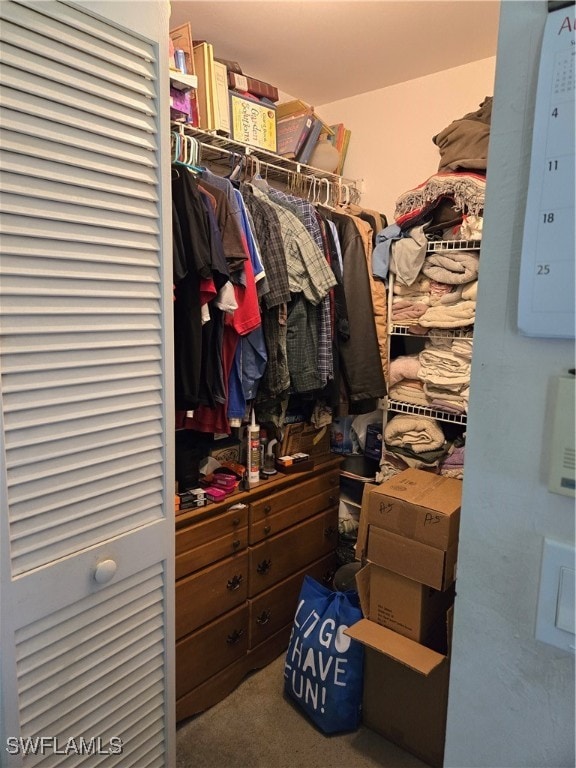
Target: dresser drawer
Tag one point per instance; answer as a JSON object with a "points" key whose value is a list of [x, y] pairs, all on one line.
{"points": [[280, 556], [276, 607], [197, 558], [210, 592], [275, 523], [206, 531], [299, 491], [207, 651]]}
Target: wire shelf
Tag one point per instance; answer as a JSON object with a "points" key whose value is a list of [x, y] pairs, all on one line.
{"points": [[421, 410], [445, 333], [274, 165], [453, 245]]}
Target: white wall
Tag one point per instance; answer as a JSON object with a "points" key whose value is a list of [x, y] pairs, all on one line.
{"points": [[391, 146], [511, 696]]}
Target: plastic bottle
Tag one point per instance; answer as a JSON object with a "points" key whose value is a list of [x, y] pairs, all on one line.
{"points": [[253, 451]]}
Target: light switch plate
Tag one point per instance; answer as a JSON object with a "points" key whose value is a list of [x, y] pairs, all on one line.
{"points": [[555, 617]]}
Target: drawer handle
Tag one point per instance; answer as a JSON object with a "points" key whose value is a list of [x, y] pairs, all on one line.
{"points": [[236, 521], [332, 499], [264, 566], [234, 637], [267, 509], [267, 528], [234, 583], [329, 531], [236, 543], [264, 617], [334, 480]]}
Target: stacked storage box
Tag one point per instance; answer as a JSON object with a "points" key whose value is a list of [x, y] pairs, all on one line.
{"points": [[408, 538]]}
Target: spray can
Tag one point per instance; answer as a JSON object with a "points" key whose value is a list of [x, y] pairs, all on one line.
{"points": [[253, 451]]}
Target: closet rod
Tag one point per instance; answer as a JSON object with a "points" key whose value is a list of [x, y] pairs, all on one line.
{"points": [[275, 164]]}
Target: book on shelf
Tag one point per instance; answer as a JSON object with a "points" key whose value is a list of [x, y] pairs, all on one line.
{"points": [[261, 88], [337, 138], [253, 120], [204, 67], [296, 106], [221, 99], [344, 150], [292, 131], [231, 66], [305, 152], [181, 39]]}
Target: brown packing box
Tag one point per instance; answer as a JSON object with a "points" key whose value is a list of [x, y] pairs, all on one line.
{"points": [[416, 504], [412, 559], [405, 689], [407, 607], [306, 438]]}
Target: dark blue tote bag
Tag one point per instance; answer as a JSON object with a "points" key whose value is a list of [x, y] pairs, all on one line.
{"points": [[324, 667]]}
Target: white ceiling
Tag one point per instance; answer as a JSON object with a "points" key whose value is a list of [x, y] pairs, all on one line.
{"points": [[325, 51]]}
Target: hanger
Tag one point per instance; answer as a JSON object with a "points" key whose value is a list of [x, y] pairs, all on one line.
{"points": [[185, 151]]}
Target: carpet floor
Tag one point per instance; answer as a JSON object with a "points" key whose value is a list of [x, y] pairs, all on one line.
{"points": [[257, 727]]}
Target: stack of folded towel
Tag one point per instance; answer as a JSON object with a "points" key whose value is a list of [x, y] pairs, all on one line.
{"points": [[417, 440]]}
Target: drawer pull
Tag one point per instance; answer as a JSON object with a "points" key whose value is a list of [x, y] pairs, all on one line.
{"points": [[234, 637], [267, 509], [267, 528], [330, 531], [234, 583], [264, 566], [334, 480], [332, 499], [236, 543], [236, 521], [264, 617]]}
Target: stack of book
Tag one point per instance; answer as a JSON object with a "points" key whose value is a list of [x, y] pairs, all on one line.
{"points": [[340, 138], [298, 129]]}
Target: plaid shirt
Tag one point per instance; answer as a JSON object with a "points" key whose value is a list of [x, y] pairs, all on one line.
{"points": [[306, 212], [271, 246], [308, 272]]}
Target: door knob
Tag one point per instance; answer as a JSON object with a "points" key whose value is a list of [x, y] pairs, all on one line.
{"points": [[105, 571]]}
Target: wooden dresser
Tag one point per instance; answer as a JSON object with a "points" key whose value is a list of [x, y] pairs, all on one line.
{"points": [[239, 569]]}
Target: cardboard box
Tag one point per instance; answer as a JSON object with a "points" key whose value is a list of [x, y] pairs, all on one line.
{"points": [[414, 504], [412, 559], [306, 438], [253, 122], [405, 689], [403, 605], [225, 449]]}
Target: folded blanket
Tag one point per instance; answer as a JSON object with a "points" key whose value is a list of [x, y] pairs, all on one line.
{"points": [[440, 366], [421, 286], [455, 457], [404, 367], [462, 348], [407, 391], [452, 267], [466, 190], [449, 316], [470, 291], [418, 433], [407, 311]]}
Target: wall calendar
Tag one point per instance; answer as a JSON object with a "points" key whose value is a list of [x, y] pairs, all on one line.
{"points": [[547, 273]]}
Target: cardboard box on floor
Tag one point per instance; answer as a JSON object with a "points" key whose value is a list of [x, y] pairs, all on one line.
{"points": [[403, 605], [406, 688], [409, 524]]}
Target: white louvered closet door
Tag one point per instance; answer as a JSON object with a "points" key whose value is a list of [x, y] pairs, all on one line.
{"points": [[85, 312]]}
